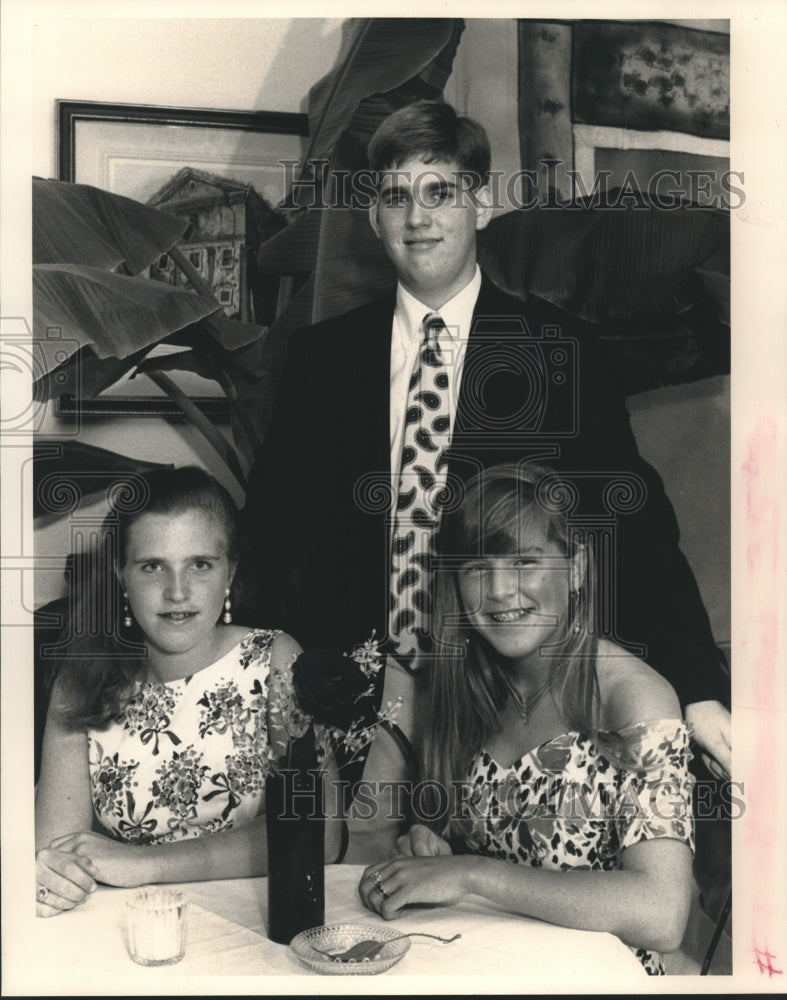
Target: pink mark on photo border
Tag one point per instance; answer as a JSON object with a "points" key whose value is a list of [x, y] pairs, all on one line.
{"points": [[763, 959]]}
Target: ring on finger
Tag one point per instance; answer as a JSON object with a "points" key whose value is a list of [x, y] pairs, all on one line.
{"points": [[377, 878], [382, 891], [42, 893]]}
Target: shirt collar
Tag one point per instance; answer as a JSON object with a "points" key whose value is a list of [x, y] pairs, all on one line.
{"points": [[456, 313]]}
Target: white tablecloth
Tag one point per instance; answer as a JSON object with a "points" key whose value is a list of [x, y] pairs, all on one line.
{"points": [[84, 952]]}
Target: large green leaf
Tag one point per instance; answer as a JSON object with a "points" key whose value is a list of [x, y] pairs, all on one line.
{"points": [[606, 265], [345, 110], [197, 419], [228, 334], [657, 282], [92, 325], [68, 473], [380, 53], [714, 274], [294, 249], [213, 366], [254, 369], [179, 361], [80, 224], [115, 314], [84, 375], [386, 63]]}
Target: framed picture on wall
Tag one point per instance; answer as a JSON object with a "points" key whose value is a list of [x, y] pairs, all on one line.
{"points": [[669, 165], [133, 149], [225, 172]]}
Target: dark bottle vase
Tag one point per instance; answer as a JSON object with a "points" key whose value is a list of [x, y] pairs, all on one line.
{"points": [[295, 822]]}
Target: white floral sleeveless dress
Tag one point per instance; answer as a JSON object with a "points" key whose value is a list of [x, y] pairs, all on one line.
{"points": [[563, 805], [187, 757]]}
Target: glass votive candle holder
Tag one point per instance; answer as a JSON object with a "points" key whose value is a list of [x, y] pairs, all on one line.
{"points": [[156, 924]]}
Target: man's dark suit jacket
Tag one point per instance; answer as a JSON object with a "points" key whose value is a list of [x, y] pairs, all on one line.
{"points": [[534, 386]]}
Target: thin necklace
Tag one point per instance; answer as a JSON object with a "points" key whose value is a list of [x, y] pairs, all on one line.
{"points": [[527, 704]]}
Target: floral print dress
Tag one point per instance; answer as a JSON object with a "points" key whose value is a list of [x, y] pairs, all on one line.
{"points": [[187, 757], [564, 805]]}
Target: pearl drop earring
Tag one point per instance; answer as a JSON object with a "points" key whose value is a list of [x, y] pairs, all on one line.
{"points": [[127, 620], [227, 616]]}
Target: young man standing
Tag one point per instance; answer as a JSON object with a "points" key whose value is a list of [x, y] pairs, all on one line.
{"points": [[384, 407]]}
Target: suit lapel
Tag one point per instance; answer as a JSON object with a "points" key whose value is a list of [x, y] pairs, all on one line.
{"points": [[381, 366], [368, 378], [494, 313]]}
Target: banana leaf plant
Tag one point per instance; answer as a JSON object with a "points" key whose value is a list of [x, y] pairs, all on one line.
{"points": [[96, 318], [656, 282]]}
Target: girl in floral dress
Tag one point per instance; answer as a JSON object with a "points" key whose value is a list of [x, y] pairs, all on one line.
{"points": [[157, 733], [556, 761]]}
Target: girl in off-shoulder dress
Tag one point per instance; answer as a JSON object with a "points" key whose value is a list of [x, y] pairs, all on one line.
{"points": [[554, 762]]}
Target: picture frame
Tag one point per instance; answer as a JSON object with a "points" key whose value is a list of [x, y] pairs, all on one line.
{"points": [[627, 101], [621, 154], [134, 150], [99, 143]]}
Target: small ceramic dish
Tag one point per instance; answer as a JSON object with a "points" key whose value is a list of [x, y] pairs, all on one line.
{"points": [[319, 948]]}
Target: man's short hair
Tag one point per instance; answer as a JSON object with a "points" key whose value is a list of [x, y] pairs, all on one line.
{"points": [[433, 132]]}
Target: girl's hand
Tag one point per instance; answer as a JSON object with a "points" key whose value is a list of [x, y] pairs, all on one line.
{"points": [[389, 886], [711, 725], [420, 841], [63, 880], [112, 862]]}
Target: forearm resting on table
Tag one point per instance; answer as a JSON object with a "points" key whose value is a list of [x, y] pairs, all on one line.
{"points": [[641, 907], [239, 853]]}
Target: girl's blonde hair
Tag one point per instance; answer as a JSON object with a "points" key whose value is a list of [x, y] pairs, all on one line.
{"points": [[501, 506]]}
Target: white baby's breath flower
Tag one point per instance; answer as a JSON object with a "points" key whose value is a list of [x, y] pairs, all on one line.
{"points": [[368, 656]]}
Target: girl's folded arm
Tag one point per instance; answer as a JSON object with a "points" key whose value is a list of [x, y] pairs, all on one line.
{"points": [[645, 902], [63, 798]]}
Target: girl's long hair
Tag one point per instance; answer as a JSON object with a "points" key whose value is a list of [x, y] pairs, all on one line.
{"points": [[501, 506], [100, 659]]}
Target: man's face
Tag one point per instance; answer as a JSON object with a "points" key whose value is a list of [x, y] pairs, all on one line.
{"points": [[427, 221]]}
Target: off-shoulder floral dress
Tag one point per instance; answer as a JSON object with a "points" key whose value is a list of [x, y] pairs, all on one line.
{"points": [[564, 805], [188, 757]]}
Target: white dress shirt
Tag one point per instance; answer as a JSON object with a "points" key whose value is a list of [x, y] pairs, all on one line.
{"points": [[406, 337]]}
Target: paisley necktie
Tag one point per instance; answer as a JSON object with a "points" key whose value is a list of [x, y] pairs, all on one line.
{"points": [[422, 475]]}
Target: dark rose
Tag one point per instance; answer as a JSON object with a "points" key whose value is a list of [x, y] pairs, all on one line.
{"points": [[329, 687]]}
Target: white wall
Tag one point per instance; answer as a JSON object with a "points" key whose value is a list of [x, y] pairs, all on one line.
{"points": [[237, 63], [490, 95]]}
